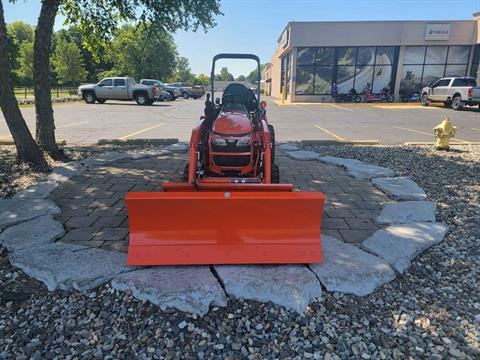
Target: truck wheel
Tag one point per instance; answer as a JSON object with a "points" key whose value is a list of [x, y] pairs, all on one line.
{"points": [[142, 99], [272, 140], [424, 100], [275, 174], [457, 103], [101, 101], [172, 96], [89, 97], [185, 95]]}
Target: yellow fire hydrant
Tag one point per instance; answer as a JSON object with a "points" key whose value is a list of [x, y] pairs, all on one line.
{"points": [[443, 132]]}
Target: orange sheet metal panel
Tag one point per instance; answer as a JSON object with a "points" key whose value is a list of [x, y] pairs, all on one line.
{"points": [[186, 228]]}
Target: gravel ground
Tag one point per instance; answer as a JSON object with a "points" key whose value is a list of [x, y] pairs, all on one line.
{"points": [[432, 312]]}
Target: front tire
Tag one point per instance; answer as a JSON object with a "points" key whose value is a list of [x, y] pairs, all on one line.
{"points": [[424, 100], [89, 97], [271, 130], [275, 174], [457, 103], [142, 99], [185, 95]]}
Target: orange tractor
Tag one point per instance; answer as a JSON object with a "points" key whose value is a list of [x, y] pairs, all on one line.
{"points": [[231, 207]]}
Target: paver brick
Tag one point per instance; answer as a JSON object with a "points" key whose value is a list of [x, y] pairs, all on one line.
{"points": [[334, 224], [355, 235], [80, 221], [109, 221], [79, 234], [107, 234], [363, 224]]}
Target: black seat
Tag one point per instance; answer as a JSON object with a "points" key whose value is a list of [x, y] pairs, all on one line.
{"points": [[239, 94]]}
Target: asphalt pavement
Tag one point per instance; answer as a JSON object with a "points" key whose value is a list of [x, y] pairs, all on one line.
{"points": [[80, 123]]}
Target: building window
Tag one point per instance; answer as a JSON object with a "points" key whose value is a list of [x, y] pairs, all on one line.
{"points": [[285, 73], [365, 68], [476, 62], [423, 65]]}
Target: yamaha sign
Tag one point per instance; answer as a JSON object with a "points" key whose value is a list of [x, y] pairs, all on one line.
{"points": [[437, 32]]}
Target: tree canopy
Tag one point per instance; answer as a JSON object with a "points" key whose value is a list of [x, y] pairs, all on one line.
{"points": [[68, 63], [252, 77], [224, 75], [141, 52]]}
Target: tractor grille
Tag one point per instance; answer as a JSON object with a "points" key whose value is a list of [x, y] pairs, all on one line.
{"points": [[222, 160], [231, 147]]}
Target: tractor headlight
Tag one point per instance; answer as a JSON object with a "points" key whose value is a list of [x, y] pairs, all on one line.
{"points": [[220, 142], [245, 141]]}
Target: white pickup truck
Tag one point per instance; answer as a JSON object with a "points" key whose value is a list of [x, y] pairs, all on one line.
{"points": [[453, 91], [119, 88]]}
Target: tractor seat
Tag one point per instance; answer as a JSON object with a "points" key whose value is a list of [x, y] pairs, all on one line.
{"points": [[236, 94]]}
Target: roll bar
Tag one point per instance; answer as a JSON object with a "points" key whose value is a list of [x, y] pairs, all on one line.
{"points": [[236, 56]]}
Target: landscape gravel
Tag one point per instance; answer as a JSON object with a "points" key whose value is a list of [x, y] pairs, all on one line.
{"points": [[432, 311]]}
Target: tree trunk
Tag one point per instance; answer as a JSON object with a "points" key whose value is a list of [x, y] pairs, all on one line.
{"points": [[45, 133], [27, 150]]}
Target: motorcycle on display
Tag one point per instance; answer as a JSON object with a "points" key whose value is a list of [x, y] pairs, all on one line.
{"points": [[384, 96], [352, 96]]}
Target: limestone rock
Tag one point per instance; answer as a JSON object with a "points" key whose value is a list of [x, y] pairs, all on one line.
{"points": [[407, 212], [292, 286], [400, 188], [178, 148], [344, 162], [400, 244], [366, 171], [40, 190], [187, 288], [67, 266], [288, 147], [66, 171], [302, 155], [348, 269], [31, 234], [14, 211]]}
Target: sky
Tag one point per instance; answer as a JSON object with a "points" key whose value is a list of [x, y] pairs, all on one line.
{"points": [[254, 26]]}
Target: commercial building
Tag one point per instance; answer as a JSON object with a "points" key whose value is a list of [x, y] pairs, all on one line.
{"points": [[361, 55]]}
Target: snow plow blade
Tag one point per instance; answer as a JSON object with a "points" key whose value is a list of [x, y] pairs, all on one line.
{"points": [[177, 227]]}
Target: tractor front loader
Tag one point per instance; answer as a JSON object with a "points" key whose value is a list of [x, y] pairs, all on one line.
{"points": [[231, 207]]}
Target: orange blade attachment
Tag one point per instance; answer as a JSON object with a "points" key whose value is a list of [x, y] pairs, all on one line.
{"points": [[186, 228]]}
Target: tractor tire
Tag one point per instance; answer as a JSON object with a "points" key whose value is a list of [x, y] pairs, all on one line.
{"points": [[457, 103], [275, 174], [272, 139], [142, 98], [89, 97], [185, 172], [101, 101]]}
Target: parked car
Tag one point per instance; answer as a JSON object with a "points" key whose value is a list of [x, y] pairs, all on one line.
{"points": [[173, 91], [452, 91], [188, 91], [119, 88]]}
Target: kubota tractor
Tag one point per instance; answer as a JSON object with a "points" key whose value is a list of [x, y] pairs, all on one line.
{"points": [[231, 208]]}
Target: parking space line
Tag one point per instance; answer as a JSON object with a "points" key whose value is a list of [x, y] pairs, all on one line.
{"points": [[429, 134], [340, 107], [74, 124], [141, 131], [337, 137], [475, 129]]}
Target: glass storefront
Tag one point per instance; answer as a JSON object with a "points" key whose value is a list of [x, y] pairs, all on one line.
{"points": [[476, 61], [423, 65], [286, 72], [360, 68]]}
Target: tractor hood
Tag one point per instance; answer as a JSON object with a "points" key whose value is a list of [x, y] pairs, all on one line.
{"points": [[232, 123]]}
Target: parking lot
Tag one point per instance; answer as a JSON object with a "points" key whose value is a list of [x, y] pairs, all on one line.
{"points": [[79, 123]]}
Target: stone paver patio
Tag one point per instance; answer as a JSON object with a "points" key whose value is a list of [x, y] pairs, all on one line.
{"points": [[367, 236], [94, 213]]}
